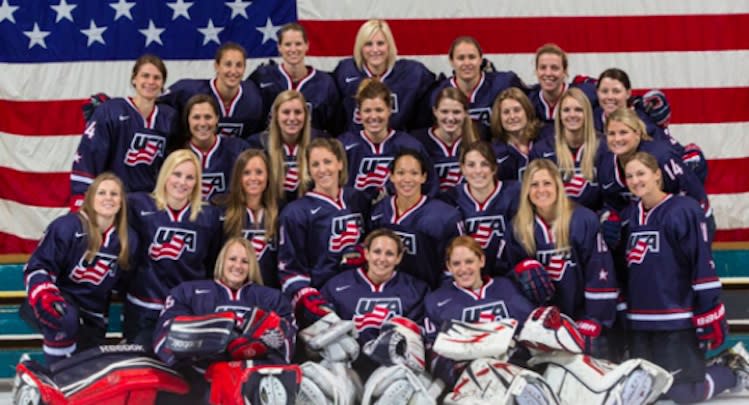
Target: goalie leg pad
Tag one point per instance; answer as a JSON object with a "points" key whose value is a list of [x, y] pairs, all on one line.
{"points": [[323, 386], [460, 340], [238, 382], [398, 385]]}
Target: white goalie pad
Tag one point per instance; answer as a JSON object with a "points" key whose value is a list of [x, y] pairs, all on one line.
{"points": [[334, 339], [400, 385], [399, 342], [323, 386], [470, 341], [548, 330], [495, 382], [578, 378]]}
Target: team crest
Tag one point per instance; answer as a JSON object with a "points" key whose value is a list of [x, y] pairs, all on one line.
{"points": [[258, 241], [449, 175], [212, 183], [482, 115], [373, 312], [144, 149], [346, 231], [483, 313], [373, 172], [556, 262], [409, 242], [230, 129], [484, 229], [95, 271], [640, 244], [170, 243]]}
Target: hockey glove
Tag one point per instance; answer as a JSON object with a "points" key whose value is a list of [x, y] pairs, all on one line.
{"points": [[656, 105], [94, 101], [49, 305], [694, 159], [261, 331], [534, 280], [399, 342], [711, 327], [310, 305], [353, 257], [611, 228], [595, 344]]}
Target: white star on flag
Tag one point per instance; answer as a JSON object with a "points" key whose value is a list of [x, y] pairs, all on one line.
{"points": [[36, 36], [238, 7], [152, 33], [269, 31], [64, 11], [94, 33], [180, 9], [210, 32], [122, 9], [6, 12]]}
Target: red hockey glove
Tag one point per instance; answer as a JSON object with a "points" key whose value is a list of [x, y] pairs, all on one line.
{"points": [[310, 305], [711, 327], [49, 305]]}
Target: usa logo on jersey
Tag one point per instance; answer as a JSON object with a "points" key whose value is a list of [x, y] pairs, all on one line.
{"points": [[291, 180], [484, 229], [575, 183], [483, 313], [373, 312], [144, 148], [258, 241], [94, 272], [212, 183], [373, 172], [170, 243], [556, 262], [449, 175], [640, 244], [346, 231], [409, 242], [230, 129], [482, 115]]}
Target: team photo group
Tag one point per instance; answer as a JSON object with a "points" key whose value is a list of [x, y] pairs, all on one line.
{"points": [[380, 234]]}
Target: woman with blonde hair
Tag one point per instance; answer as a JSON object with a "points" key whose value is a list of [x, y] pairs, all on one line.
{"points": [[178, 239], [557, 239], [376, 56], [515, 130], [575, 148], [71, 274]]}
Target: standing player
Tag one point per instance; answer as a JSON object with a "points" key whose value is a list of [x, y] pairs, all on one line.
{"points": [[470, 297], [453, 128], [240, 102], [127, 136], [251, 211], [179, 239], [424, 224], [70, 276], [551, 72], [551, 235], [674, 307], [515, 131], [486, 204], [575, 148], [375, 56], [370, 150], [478, 86], [318, 229], [377, 292], [216, 153], [318, 87]]}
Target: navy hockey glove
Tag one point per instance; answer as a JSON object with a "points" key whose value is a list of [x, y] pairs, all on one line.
{"points": [[611, 228], [49, 305], [655, 103], [534, 280], [695, 160], [310, 305], [94, 101], [711, 327]]}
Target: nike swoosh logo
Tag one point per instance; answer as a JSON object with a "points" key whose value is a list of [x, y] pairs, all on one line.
{"points": [[80, 234], [314, 210], [500, 160], [345, 287], [351, 79], [376, 217], [124, 117], [443, 302], [144, 213], [608, 185], [548, 154], [264, 85], [349, 147], [202, 291]]}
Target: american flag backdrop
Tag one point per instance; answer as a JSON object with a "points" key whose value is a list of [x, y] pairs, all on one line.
{"points": [[54, 54]]}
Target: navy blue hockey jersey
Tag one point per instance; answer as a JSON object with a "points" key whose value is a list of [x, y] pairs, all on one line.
{"points": [[265, 250], [545, 111], [217, 164], [444, 157], [511, 162]]}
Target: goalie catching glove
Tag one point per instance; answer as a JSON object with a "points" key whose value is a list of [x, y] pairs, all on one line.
{"points": [[399, 342], [460, 340], [334, 339]]}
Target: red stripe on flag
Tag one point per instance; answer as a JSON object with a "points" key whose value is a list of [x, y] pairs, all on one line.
{"points": [[723, 176], [732, 235], [12, 244], [573, 34], [38, 189], [698, 105], [58, 117]]}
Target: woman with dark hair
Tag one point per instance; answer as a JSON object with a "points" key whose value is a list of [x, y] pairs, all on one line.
{"points": [[552, 235], [79, 261], [216, 153], [370, 150], [515, 130], [425, 224], [127, 136], [240, 103], [318, 87], [251, 210], [443, 141], [178, 237], [478, 84], [376, 56]]}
